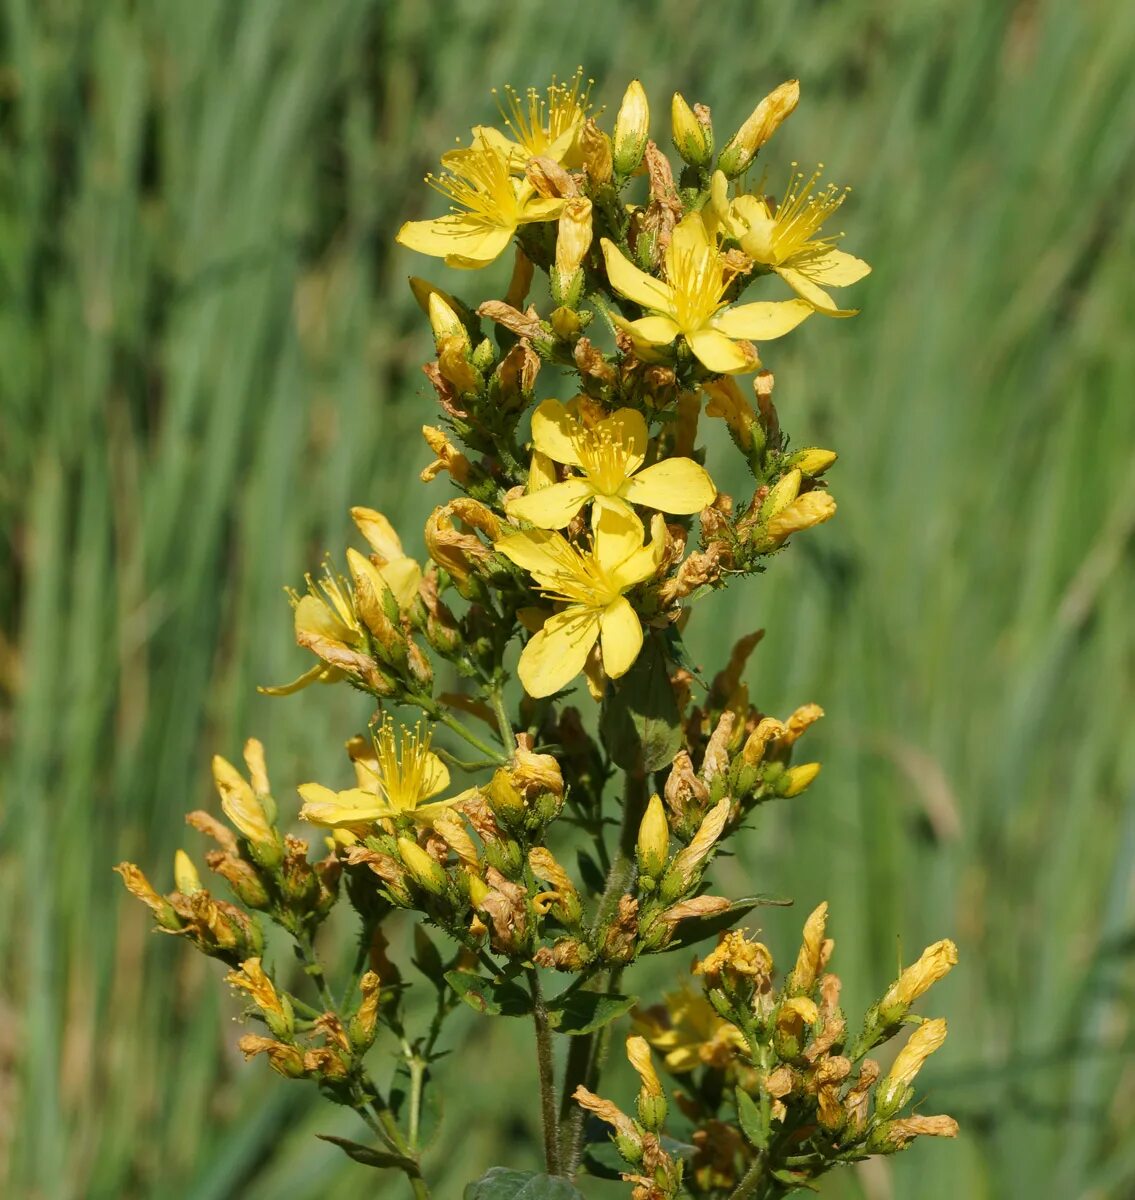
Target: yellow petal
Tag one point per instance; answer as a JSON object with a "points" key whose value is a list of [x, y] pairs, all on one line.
{"points": [[456, 235], [653, 331], [811, 291], [554, 432], [542, 553], [541, 210], [551, 507], [675, 485], [435, 776], [378, 532], [541, 471], [322, 806], [312, 616], [761, 320], [636, 285], [644, 562], [618, 534], [837, 268], [430, 812], [722, 356], [555, 656], [320, 673], [626, 428], [690, 237], [621, 633], [402, 576]]}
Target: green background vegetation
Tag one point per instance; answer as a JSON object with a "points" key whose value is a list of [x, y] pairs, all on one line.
{"points": [[208, 352]]}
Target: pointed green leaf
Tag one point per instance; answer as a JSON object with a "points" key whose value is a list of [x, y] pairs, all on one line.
{"points": [[490, 997], [640, 724], [368, 1156], [502, 1184], [576, 1011]]}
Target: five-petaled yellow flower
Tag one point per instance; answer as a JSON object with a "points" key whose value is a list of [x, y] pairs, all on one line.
{"points": [[688, 1033], [690, 302], [542, 126], [591, 584], [786, 237], [393, 781], [610, 453], [490, 205]]}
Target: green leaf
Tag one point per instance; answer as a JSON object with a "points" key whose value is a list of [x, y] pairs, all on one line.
{"points": [[577, 1011], [639, 722], [752, 1123], [490, 997], [502, 1184], [697, 929], [368, 1156]]}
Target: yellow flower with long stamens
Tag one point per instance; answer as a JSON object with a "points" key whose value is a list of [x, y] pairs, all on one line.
{"points": [[591, 584], [690, 302], [400, 779], [610, 453], [688, 1033], [489, 207], [542, 125], [787, 237]]}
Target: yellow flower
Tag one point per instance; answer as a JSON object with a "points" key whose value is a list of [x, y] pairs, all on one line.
{"points": [[394, 781], [399, 572], [591, 583], [542, 126], [688, 1033], [786, 237], [490, 205], [610, 453], [690, 302]]}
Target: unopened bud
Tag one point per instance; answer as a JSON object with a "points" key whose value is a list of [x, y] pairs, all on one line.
{"points": [[813, 508], [653, 839], [934, 962], [813, 461], [895, 1089], [782, 495], [246, 812], [686, 867], [632, 128], [364, 1024], [573, 240], [241, 876], [760, 125], [797, 779], [692, 131], [424, 871], [446, 324], [185, 874], [651, 1098]]}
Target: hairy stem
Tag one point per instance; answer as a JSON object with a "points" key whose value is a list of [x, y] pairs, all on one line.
{"points": [[547, 1074], [751, 1180], [588, 1053]]}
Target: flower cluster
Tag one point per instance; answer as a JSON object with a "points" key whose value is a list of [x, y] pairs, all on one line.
{"points": [[539, 647]]}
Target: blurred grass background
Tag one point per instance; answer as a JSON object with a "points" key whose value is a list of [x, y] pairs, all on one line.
{"points": [[208, 352]]}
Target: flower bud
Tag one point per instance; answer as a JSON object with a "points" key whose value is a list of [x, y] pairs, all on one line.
{"points": [[370, 592], [782, 495], [185, 874], [246, 812], [809, 961], [651, 1098], [895, 1089], [686, 867], [424, 871], [813, 461], [796, 779], [573, 240], [934, 962], [653, 839], [890, 1136], [760, 125], [813, 508], [241, 876], [363, 1025], [446, 324], [632, 127], [523, 270], [692, 131]]}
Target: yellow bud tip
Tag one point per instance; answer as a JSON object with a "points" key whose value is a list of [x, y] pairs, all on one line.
{"points": [[185, 875]]}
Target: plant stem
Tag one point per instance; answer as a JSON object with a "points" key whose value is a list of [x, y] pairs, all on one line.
{"points": [[547, 1074], [496, 695], [451, 722], [751, 1179], [588, 1052]]}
